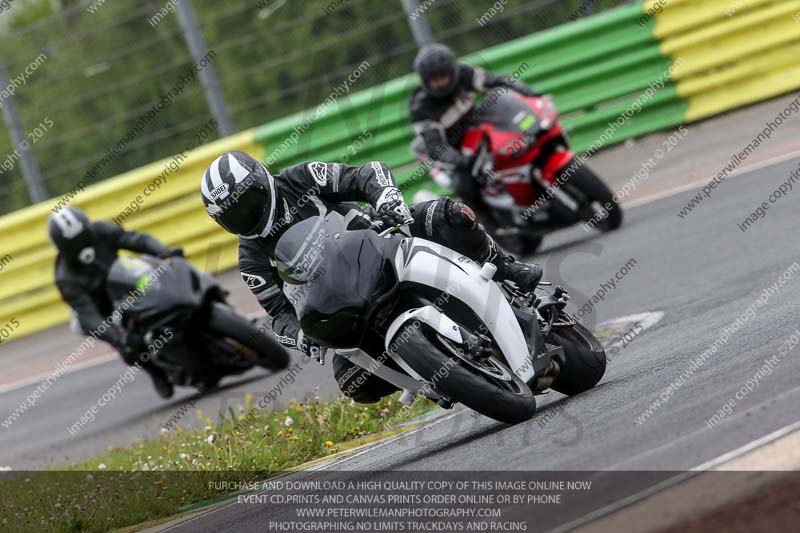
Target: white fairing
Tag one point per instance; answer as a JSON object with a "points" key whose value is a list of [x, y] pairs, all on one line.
{"points": [[431, 264]]}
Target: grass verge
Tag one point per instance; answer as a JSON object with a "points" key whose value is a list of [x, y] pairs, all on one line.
{"points": [[153, 479]]}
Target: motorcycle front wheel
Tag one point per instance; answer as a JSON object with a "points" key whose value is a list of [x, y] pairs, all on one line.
{"points": [[493, 391], [585, 359], [261, 349], [586, 181]]}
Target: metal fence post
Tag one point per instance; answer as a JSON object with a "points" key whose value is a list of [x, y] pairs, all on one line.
{"points": [[22, 147], [420, 28], [208, 75]]}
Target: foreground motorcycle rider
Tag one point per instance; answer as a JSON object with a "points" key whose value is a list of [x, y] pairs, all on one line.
{"points": [[243, 197], [86, 251], [442, 109]]}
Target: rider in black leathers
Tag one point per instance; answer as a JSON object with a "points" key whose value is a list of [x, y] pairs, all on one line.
{"points": [[86, 251], [443, 108], [243, 197]]}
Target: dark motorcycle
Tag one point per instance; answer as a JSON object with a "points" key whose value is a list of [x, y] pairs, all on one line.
{"points": [[182, 316], [431, 321]]}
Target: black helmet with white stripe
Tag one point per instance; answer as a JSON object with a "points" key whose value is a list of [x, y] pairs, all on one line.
{"points": [[71, 232], [437, 69], [239, 194]]}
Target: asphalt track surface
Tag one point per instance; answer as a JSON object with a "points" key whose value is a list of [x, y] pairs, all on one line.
{"points": [[702, 272]]}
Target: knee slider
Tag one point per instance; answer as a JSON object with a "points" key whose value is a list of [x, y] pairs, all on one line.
{"points": [[459, 214]]}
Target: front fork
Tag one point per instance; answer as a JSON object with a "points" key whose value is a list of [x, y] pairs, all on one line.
{"points": [[536, 316]]}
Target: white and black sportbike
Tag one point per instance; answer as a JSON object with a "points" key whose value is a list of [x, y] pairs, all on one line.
{"points": [[431, 321]]}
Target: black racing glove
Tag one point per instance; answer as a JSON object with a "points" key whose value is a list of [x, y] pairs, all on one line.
{"points": [[310, 348], [391, 209]]}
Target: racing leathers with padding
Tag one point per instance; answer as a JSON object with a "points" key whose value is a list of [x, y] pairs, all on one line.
{"points": [[440, 123], [312, 189], [82, 286]]}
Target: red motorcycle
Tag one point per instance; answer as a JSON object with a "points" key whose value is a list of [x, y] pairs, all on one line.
{"points": [[528, 177]]}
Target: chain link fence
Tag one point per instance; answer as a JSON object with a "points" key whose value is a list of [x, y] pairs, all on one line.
{"points": [[103, 87]]}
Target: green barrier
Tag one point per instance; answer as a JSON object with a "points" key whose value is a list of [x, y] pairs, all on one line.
{"points": [[596, 69]]}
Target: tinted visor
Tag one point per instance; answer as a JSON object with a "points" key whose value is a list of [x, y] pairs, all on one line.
{"points": [[245, 215]]}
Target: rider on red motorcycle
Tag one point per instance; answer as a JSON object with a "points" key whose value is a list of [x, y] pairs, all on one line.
{"points": [[442, 109]]}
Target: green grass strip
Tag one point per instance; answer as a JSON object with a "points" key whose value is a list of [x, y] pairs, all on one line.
{"points": [[157, 478]]}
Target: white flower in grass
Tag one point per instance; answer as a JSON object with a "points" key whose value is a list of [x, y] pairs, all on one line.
{"points": [[101, 466], [288, 422]]}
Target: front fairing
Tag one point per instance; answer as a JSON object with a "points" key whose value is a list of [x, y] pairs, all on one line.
{"points": [[333, 276], [148, 289]]}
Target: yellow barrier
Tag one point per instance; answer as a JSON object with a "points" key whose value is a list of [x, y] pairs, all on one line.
{"points": [[729, 53], [173, 212]]}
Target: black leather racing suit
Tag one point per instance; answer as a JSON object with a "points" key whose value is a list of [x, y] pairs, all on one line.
{"points": [[312, 189], [440, 123], [82, 286]]}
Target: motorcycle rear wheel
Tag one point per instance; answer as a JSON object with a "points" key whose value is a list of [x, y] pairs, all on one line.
{"points": [[265, 351], [505, 401], [519, 245], [585, 359]]}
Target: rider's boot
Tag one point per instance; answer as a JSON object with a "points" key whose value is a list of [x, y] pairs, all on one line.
{"points": [[525, 277], [162, 385]]}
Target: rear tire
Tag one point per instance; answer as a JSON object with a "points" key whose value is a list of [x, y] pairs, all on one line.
{"points": [[595, 190], [266, 352], [459, 382], [520, 245], [208, 385], [585, 359]]}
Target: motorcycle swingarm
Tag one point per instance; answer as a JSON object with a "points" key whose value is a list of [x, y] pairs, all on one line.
{"points": [[402, 381]]}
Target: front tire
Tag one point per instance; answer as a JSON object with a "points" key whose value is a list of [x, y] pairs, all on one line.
{"points": [[505, 401], [596, 191], [263, 350], [585, 359]]}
